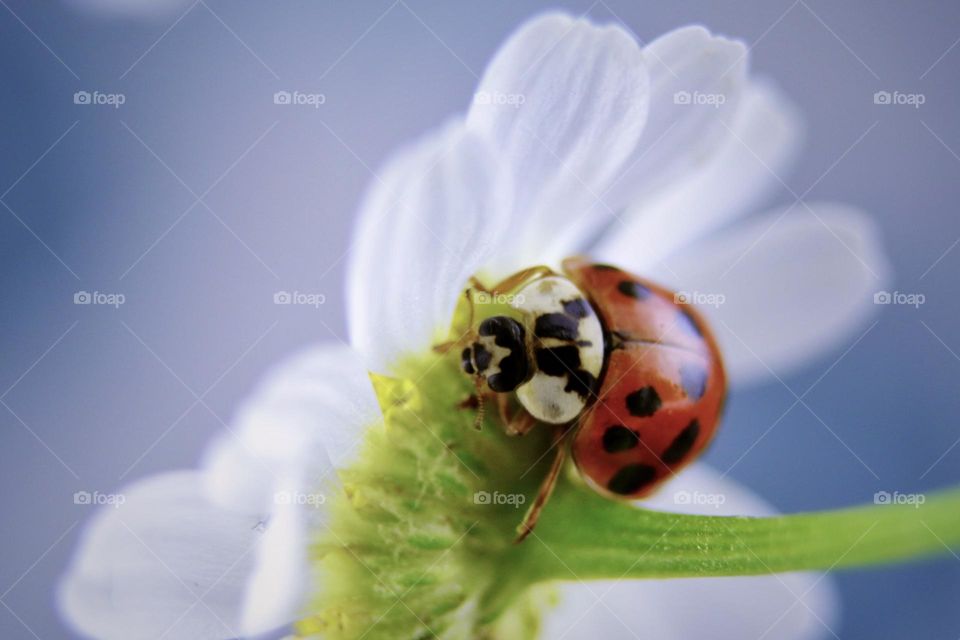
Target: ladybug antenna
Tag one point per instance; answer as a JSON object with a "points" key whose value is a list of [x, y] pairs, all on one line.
{"points": [[481, 406]]}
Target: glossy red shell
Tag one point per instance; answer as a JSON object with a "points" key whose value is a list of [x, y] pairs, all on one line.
{"points": [[662, 390]]}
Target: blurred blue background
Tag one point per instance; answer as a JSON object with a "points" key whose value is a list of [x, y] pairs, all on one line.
{"points": [[199, 198]]}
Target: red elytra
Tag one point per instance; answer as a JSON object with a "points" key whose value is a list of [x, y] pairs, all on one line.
{"points": [[662, 390]]}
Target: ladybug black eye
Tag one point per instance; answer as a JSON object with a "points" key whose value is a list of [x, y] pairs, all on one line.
{"points": [[465, 362], [482, 357]]}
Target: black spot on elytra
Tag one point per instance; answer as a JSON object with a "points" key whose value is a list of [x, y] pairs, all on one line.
{"points": [[693, 379], [643, 402], [577, 308], [556, 325], [631, 478], [682, 444], [558, 361], [619, 438], [633, 289], [686, 322]]}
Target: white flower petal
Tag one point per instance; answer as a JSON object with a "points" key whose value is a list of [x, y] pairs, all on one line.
{"points": [[681, 134], [306, 418], [765, 133], [166, 561], [332, 386], [786, 606], [431, 220], [796, 284], [564, 104], [277, 586]]}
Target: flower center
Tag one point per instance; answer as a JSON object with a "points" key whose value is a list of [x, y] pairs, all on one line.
{"points": [[420, 539]]}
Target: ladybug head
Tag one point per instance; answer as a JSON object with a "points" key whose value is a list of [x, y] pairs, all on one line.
{"points": [[498, 355]]}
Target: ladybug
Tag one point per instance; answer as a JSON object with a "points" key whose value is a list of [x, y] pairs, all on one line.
{"points": [[627, 371]]}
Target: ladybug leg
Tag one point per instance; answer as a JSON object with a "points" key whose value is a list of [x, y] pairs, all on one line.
{"points": [[514, 423], [470, 403], [503, 408], [444, 347], [520, 424], [507, 284], [514, 281], [546, 487]]}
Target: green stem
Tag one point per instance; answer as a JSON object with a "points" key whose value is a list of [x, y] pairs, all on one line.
{"points": [[419, 543], [624, 542]]}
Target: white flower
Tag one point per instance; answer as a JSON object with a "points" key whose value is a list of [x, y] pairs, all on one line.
{"points": [[577, 140]]}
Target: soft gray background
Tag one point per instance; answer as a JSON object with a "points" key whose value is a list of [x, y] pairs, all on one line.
{"points": [[94, 396]]}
